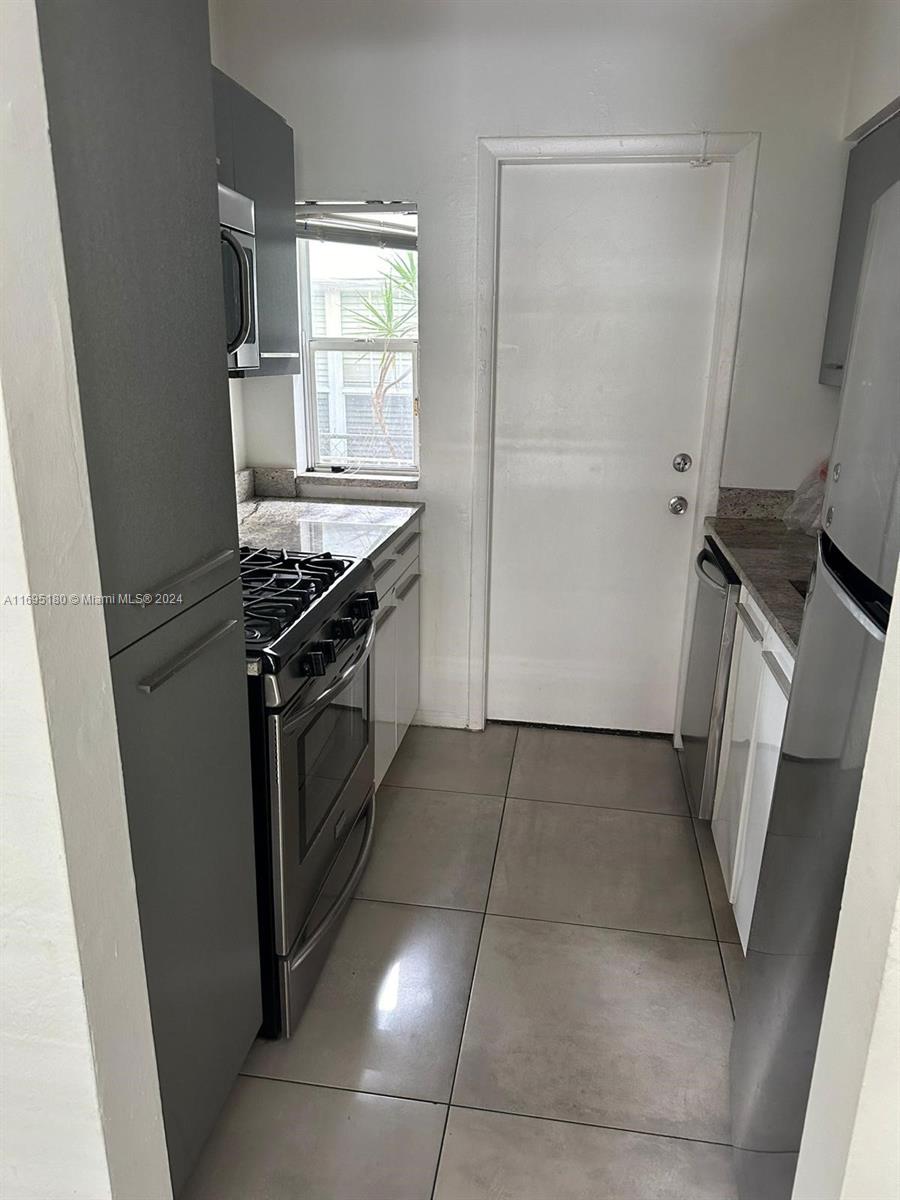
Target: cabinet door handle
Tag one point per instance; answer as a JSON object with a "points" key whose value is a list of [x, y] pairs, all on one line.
{"points": [[195, 572], [385, 566], [409, 587], [384, 616], [755, 635], [778, 671], [410, 541], [278, 354], [152, 682]]}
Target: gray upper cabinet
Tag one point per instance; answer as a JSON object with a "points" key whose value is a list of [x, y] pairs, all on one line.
{"points": [[131, 132], [184, 737], [222, 105], [255, 148], [873, 166]]}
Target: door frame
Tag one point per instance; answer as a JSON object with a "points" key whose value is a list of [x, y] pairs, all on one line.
{"points": [[741, 152]]}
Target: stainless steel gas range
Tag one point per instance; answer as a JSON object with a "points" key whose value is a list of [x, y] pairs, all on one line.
{"points": [[309, 629]]}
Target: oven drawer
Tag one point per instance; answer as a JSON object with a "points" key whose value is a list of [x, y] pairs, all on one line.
{"points": [[302, 967]]}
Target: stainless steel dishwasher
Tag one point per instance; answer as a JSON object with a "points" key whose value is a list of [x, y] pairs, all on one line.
{"points": [[706, 686]]}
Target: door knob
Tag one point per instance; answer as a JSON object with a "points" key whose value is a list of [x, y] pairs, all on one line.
{"points": [[678, 505], [682, 462]]}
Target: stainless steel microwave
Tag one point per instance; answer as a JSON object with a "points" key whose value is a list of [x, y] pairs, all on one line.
{"points": [[237, 227]]}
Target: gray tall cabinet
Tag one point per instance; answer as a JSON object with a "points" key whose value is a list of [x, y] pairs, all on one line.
{"points": [[873, 166], [131, 127]]}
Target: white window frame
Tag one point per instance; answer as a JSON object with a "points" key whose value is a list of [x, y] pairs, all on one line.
{"points": [[305, 396]]}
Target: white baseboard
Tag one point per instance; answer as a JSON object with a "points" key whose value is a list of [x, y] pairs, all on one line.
{"points": [[441, 720]]}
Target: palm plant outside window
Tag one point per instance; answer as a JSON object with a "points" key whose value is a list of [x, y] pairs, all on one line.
{"points": [[359, 311]]}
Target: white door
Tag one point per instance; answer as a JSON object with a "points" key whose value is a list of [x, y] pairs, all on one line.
{"points": [[607, 282]]}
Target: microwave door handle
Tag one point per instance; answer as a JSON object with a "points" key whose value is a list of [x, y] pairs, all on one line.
{"points": [[246, 300], [343, 679]]}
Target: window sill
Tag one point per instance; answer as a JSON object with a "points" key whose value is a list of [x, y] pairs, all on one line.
{"points": [[360, 479]]}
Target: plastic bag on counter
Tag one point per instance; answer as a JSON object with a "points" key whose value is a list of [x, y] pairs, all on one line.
{"points": [[804, 512]]}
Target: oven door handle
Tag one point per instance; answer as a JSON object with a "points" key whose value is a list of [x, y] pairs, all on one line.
{"points": [[340, 683], [345, 894]]}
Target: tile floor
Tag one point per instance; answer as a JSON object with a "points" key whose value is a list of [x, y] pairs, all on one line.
{"points": [[528, 997]]}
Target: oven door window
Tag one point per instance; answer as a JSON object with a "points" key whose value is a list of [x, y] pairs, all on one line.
{"points": [[327, 752]]}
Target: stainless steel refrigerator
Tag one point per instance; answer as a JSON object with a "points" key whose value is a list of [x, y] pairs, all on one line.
{"points": [[829, 715]]}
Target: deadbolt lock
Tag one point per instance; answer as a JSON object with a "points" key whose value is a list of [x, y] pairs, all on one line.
{"points": [[682, 462], [678, 505]]}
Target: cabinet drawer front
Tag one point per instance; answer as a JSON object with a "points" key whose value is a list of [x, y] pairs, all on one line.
{"points": [[393, 562], [181, 706]]}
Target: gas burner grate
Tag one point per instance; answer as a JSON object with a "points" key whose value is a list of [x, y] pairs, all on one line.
{"points": [[280, 585]]}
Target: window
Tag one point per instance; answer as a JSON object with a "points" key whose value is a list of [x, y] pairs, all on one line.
{"points": [[358, 269]]}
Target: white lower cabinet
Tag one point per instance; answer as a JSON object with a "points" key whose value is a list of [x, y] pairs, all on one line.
{"points": [[395, 663], [407, 600], [740, 717], [754, 724], [771, 710], [383, 668]]}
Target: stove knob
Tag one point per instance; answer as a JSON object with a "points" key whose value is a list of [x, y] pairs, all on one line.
{"points": [[372, 598], [361, 607], [328, 650], [313, 663], [342, 629]]}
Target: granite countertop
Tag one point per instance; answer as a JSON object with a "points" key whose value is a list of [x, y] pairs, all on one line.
{"points": [[766, 556], [341, 526]]}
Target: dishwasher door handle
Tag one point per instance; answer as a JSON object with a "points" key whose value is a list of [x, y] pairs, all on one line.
{"points": [[705, 557]]}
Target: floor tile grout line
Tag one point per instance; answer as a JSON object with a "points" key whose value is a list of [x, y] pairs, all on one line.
{"points": [[512, 759], [650, 812], [500, 1112], [510, 916], [462, 1032], [409, 787], [674, 1137], [713, 919], [337, 1087], [640, 812], [681, 937], [455, 908]]}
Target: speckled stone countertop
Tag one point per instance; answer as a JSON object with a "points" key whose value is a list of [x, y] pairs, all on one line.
{"points": [[341, 526], [766, 556]]}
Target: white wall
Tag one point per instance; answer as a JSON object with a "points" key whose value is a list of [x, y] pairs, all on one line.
{"points": [[388, 100], [238, 436], [81, 1112], [48, 1094], [875, 79], [268, 404], [851, 1147]]}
